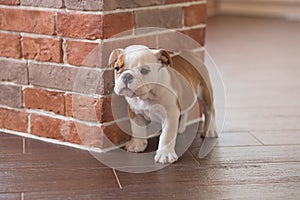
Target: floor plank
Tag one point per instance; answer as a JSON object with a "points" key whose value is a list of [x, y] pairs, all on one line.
{"points": [[48, 167], [257, 157], [262, 119], [60, 155], [141, 163], [10, 196], [10, 144], [56, 179], [267, 191], [105, 193], [175, 182], [240, 138], [237, 139], [278, 137], [251, 154], [44, 155]]}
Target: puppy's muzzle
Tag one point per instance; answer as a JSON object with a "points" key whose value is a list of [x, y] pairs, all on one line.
{"points": [[127, 78]]}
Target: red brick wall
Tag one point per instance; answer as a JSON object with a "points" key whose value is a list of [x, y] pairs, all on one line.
{"points": [[43, 45]]}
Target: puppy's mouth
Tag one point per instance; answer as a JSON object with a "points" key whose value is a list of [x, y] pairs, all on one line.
{"points": [[127, 92], [136, 93]]}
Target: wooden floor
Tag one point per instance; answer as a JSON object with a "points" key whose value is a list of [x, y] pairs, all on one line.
{"points": [[257, 156]]}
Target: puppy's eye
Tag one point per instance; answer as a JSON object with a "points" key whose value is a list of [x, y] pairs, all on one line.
{"points": [[117, 68], [145, 71]]}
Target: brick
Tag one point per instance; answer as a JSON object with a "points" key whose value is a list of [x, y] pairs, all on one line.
{"points": [[82, 107], [78, 133], [117, 23], [178, 1], [10, 2], [94, 81], [111, 108], [58, 129], [90, 81], [53, 128], [90, 136], [92, 5], [106, 82], [91, 59], [32, 21], [78, 25], [124, 4], [43, 3], [46, 127], [114, 135], [67, 131], [65, 78], [183, 42], [10, 45], [37, 98], [77, 52], [101, 137], [115, 107], [11, 96], [197, 34], [13, 71], [165, 18], [194, 15], [13, 120], [104, 110], [117, 4], [52, 76], [43, 49], [96, 109]]}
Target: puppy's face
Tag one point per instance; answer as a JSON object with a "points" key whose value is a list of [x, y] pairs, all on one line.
{"points": [[137, 70]]}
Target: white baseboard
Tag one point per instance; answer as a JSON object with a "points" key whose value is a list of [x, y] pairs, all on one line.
{"points": [[288, 9]]}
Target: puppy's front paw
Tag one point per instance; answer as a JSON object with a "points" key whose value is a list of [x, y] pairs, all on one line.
{"points": [[136, 145], [165, 156]]}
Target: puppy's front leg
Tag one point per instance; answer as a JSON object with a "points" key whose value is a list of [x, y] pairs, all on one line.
{"points": [[136, 145], [166, 147], [138, 142]]}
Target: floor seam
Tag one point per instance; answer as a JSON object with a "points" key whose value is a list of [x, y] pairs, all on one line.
{"points": [[24, 146], [254, 136], [194, 158], [117, 178]]}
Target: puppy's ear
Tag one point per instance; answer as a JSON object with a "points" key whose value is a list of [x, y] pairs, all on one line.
{"points": [[114, 55], [164, 57]]}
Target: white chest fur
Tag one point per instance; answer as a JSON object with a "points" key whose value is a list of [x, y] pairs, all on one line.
{"points": [[149, 109]]}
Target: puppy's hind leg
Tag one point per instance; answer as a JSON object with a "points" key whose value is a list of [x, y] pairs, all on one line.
{"points": [[209, 123], [182, 122], [209, 129]]}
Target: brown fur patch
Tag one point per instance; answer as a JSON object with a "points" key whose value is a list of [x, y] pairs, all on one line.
{"points": [[120, 61], [188, 71]]}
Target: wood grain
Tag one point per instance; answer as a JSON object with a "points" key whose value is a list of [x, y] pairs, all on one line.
{"points": [[257, 156]]}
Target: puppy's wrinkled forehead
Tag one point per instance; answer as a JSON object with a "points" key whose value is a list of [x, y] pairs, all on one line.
{"points": [[138, 56], [135, 56]]}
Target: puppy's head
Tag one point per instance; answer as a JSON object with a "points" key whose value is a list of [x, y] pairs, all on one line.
{"points": [[137, 69]]}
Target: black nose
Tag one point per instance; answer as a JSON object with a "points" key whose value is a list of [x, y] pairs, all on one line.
{"points": [[127, 78]]}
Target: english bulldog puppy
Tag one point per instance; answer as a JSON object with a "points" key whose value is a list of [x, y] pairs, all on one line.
{"points": [[161, 87]]}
